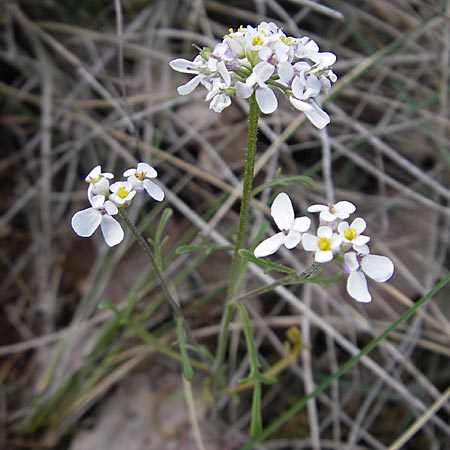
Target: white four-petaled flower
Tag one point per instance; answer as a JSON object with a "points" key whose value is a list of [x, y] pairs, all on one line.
{"points": [[85, 222], [122, 192], [291, 228], [324, 245], [360, 263], [351, 234], [331, 212], [98, 181], [139, 178]]}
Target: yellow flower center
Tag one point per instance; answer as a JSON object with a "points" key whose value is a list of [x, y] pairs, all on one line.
{"points": [[257, 40], [350, 234], [122, 192], [324, 243], [140, 175]]}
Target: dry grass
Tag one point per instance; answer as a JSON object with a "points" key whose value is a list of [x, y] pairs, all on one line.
{"points": [[66, 71]]}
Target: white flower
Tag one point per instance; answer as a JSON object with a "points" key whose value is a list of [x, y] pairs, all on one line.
{"points": [[85, 222], [198, 67], [361, 263], [331, 212], [267, 101], [262, 60], [351, 234], [291, 227], [139, 179], [324, 244], [98, 181], [122, 193]]}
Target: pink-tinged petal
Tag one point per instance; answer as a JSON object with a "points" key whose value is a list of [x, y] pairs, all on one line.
{"points": [[183, 65], [323, 256], [351, 261], [309, 242], [111, 230], [359, 225], [267, 100], [301, 224], [85, 222], [317, 208], [270, 245], [150, 172], [357, 287], [344, 207], [129, 172], [187, 88], [292, 239], [379, 268], [282, 211], [325, 232], [153, 190], [243, 90]]}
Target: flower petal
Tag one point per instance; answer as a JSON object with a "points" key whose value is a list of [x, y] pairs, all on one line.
{"points": [[129, 172], [187, 88], [270, 245], [323, 256], [309, 242], [243, 90], [301, 224], [324, 231], [292, 239], [344, 208], [359, 225], [282, 211], [153, 190], [357, 287], [316, 115], [183, 65], [111, 230], [317, 208], [351, 261], [379, 268], [267, 100], [85, 222], [150, 172]]}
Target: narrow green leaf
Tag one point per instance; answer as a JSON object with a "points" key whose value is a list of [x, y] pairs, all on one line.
{"points": [[266, 264], [285, 181]]}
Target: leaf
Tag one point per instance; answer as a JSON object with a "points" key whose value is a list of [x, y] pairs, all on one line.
{"points": [[266, 264]]}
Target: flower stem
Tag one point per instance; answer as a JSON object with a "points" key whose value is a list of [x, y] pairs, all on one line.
{"points": [[176, 310], [236, 262]]}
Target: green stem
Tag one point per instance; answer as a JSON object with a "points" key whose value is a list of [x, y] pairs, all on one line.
{"points": [[233, 283], [176, 310]]}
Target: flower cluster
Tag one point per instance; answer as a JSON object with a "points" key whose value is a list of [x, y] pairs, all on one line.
{"points": [[335, 238], [262, 60], [105, 199]]}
